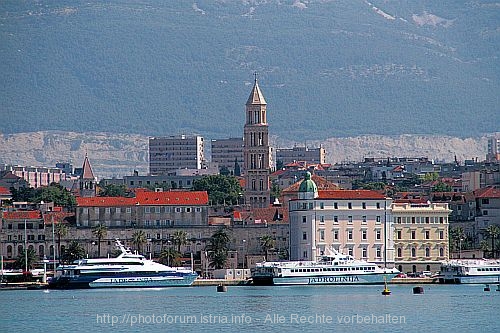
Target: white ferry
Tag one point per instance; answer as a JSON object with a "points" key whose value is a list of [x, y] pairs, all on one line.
{"points": [[335, 268], [478, 271], [127, 270]]}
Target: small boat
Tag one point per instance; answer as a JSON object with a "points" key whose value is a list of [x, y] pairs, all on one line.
{"points": [[332, 268], [475, 271], [127, 270]]}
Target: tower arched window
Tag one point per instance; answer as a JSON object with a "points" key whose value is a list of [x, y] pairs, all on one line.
{"points": [[413, 252], [253, 184], [261, 185], [427, 252], [400, 252]]}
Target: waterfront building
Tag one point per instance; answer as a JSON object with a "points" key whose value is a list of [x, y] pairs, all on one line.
{"points": [[354, 222], [306, 154], [35, 176], [175, 152], [487, 209], [257, 153], [228, 153], [420, 235], [146, 209]]}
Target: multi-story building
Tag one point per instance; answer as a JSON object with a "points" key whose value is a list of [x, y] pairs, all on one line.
{"points": [[354, 222], [257, 154], [146, 209], [175, 152], [35, 176], [309, 155], [493, 149], [487, 209], [228, 153], [420, 235]]}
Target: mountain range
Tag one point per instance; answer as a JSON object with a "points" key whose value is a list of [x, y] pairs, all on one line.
{"points": [[328, 68]]}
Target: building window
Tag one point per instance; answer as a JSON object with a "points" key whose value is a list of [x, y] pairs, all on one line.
{"points": [[157, 210], [304, 254], [427, 252], [335, 205], [147, 210], [322, 205], [335, 235], [413, 234], [364, 219], [335, 219], [311, 205], [304, 235], [350, 252], [399, 234], [379, 252], [485, 201], [96, 210], [365, 252], [427, 234], [441, 234], [413, 252], [304, 219], [378, 234], [188, 209], [400, 252], [349, 205], [378, 219], [363, 234], [378, 205], [129, 210], [322, 219], [322, 235], [349, 219], [441, 252], [349, 234], [363, 205]]}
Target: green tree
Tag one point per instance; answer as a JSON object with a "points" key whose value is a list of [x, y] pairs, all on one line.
{"points": [[169, 255], [217, 248], [20, 262], [267, 243], [113, 190], [441, 187], [456, 239], [224, 171], [431, 176], [73, 252], [275, 190], [100, 231], [139, 239], [54, 193], [179, 238], [492, 232], [61, 230], [22, 194], [220, 189]]}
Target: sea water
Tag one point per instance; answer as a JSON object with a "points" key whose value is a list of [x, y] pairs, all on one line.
{"points": [[441, 308]]}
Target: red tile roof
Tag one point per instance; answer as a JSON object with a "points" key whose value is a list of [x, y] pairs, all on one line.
{"points": [[57, 217], [148, 198], [22, 215], [349, 194], [487, 192], [321, 183], [4, 191]]}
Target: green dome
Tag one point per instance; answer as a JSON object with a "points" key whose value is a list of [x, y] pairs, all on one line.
{"points": [[308, 185]]}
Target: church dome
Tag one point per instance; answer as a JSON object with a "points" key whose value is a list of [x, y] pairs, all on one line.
{"points": [[308, 185]]}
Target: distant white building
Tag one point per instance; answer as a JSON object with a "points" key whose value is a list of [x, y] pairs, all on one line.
{"points": [[175, 152]]}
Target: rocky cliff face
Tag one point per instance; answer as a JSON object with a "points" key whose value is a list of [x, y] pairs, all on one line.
{"points": [[115, 155]]}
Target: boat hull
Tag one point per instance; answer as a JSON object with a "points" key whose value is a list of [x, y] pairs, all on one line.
{"points": [[131, 281], [470, 279], [352, 279]]}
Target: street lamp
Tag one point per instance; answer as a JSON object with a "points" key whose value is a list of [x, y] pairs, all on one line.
{"points": [[460, 248], [244, 254]]}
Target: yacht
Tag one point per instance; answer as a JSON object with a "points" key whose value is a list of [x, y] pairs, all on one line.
{"points": [[471, 271], [334, 268], [127, 270]]}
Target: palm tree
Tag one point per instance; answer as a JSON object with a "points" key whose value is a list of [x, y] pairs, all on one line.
{"points": [[21, 259], [179, 238], [457, 235], [267, 243], [138, 239], [493, 231], [168, 255], [100, 231], [74, 252], [61, 230], [217, 248]]}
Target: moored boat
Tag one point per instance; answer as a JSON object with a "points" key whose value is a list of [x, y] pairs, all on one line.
{"points": [[333, 268], [127, 270], [470, 271]]}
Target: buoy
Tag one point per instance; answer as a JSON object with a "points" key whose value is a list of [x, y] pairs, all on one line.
{"points": [[418, 290], [221, 288], [487, 288], [386, 291]]}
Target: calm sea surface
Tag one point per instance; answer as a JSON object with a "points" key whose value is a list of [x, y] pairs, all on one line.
{"points": [[442, 308]]}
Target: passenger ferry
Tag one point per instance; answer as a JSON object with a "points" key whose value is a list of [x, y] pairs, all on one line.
{"points": [[334, 268], [127, 270], [471, 271]]}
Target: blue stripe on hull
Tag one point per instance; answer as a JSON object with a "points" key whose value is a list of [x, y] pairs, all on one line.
{"points": [[479, 279], [334, 279]]}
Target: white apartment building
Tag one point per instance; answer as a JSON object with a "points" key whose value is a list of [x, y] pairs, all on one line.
{"points": [[175, 152], [225, 152], [309, 155]]}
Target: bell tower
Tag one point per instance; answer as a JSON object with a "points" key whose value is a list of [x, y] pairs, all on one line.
{"points": [[87, 180], [256, 150]]}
